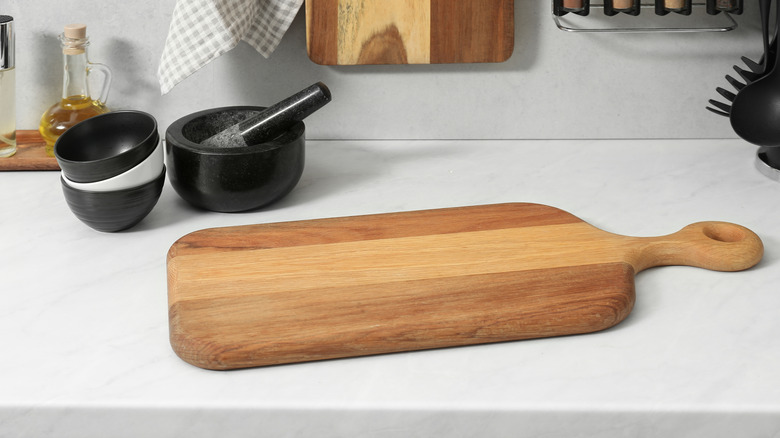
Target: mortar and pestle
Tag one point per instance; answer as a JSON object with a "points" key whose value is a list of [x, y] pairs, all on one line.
{"points": [[240, 158]]}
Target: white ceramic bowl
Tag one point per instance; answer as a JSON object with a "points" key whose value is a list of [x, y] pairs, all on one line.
{"points": [[144, 172]]}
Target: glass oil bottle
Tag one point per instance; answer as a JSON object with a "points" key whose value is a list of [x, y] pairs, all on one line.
{"points": [[7, 88], [76, 104]]}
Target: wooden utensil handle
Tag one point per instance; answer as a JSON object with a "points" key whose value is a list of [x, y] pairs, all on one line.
{"points": [[719, 246]]}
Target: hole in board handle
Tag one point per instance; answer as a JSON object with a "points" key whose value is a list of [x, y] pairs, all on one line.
{"points": [[724, 232]]}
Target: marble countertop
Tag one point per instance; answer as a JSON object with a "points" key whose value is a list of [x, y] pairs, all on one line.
{"points": [[84, 346]]}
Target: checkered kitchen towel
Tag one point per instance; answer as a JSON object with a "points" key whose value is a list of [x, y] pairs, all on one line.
{"points": [[202, 30]]}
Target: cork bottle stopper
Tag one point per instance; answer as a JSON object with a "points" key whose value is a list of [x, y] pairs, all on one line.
{"points": [[76, 31]]}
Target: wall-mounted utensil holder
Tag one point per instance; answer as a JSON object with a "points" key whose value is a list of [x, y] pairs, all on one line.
{"points": [[682, 7], [715, 7], [563, 7], [634, 7], [614, 7], [660, 8]]}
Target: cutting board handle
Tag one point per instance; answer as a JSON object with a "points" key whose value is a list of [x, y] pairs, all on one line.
{"points": [[719, 246]]}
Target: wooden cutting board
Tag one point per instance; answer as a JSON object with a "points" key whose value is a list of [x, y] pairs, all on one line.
{"points": [[300, 291], [30, 154], [350, 32]]}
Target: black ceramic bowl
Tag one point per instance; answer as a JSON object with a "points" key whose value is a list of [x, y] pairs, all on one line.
{"points": [[117, 210], [231, 179], [104, 146]]}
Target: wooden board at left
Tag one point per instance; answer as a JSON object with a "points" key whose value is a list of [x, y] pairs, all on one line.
{"points": [[30, 154]]}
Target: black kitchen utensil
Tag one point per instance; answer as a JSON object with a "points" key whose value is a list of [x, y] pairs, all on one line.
{"points": [[755, 113], [757, 69], [274, 120]]}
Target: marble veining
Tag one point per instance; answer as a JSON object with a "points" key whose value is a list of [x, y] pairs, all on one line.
{"points": [[83, 314]]}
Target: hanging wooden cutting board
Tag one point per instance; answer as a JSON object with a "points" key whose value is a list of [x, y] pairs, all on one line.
{"points": [[349, 32], [300, 291]]}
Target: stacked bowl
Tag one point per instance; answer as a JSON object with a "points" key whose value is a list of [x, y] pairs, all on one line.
{"points": [[112, 169]]}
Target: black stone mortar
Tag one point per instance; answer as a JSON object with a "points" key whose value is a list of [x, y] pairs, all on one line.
{"points": [[231, 179]]}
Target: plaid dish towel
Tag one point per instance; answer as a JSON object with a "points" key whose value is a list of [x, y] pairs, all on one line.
{"points": [[202, 30]]}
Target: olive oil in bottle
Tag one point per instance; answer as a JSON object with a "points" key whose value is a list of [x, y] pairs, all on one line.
{"points": [[76, 103]]}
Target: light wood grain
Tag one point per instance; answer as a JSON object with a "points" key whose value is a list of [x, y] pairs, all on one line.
{"points": [[396, 32], [409, 315], [354, 32], [310, 290], [30, 154]]}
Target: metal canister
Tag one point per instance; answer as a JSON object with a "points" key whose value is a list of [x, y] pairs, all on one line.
{"points": [[7, 87]]}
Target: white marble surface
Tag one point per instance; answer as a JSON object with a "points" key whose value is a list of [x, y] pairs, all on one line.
{"points": [[84, 346]]}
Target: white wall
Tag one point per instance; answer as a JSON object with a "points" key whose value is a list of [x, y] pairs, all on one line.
{"points": [[556, 84]]}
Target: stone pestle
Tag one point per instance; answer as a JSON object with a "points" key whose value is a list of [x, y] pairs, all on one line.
{"points": [[272, 121]]}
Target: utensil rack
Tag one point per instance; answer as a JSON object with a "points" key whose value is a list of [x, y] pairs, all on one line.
{"points": [[728, 25]]}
